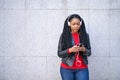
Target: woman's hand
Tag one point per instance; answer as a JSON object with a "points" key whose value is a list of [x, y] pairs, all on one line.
{"points": [[76, 48], [83, 49]]}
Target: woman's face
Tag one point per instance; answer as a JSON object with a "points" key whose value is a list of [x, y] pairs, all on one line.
{"points": [[74, 25]]}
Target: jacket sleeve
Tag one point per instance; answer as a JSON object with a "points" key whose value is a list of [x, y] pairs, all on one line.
{"points": [[61, 53], [88, 47]]}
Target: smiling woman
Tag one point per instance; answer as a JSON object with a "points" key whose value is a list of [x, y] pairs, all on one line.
{"points": [[74, 48], [74, 25]]}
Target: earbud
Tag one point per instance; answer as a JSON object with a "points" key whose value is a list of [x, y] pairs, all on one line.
{"points": [[80, 22], [68, 20], [68, 23]]}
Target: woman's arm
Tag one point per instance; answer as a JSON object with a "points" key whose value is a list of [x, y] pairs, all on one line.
{"points": [[88, 47], [61, 53]]}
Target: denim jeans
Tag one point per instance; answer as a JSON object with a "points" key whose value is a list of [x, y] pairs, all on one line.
{"points": [[74, 74]]}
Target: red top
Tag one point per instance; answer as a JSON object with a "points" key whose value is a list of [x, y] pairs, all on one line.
{"points": [[75, 66]]}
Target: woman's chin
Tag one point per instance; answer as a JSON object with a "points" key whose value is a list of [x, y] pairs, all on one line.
{"points": [[74, 31]]}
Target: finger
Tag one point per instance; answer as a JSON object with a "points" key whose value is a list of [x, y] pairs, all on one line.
{"points": [[82, 45], [79, 49], [82, 48], [75, 46]]}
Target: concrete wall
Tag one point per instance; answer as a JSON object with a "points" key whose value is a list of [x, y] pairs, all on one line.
{"points": [[30, 29]]}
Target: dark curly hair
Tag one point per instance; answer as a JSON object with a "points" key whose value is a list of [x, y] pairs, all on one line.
{"points": [[66, 34]]}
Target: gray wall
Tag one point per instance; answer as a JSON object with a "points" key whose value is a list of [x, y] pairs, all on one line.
{"points": [[30, 29]]}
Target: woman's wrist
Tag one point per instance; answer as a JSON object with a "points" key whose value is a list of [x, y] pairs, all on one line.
{"points": [[70, 50]]}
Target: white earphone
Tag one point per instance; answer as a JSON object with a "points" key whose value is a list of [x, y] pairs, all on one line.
{"points": [[68, 23]]}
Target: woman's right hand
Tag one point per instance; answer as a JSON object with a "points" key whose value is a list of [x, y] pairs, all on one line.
{"points": [[75, 48]]}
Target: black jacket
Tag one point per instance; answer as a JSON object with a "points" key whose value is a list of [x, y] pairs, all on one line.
{"points": [[69, 58]]}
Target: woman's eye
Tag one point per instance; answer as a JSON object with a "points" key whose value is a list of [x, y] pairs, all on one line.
{"points": [[78, 24], [75, 24]]}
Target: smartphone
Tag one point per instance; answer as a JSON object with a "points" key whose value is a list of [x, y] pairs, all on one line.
{"points": [[80, 44]]}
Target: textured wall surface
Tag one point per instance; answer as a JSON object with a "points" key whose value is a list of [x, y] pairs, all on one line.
{"points": [[30, 29]]}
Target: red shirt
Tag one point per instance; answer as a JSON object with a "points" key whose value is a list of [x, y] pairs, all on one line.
{"points": [[82, 65]]}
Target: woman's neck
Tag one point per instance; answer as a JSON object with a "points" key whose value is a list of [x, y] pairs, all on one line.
{"points": [[73, 32]]}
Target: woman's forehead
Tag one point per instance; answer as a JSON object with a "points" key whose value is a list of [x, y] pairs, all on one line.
{"points": [[75, 20]]}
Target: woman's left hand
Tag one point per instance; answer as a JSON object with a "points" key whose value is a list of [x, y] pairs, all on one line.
{"points": [[83, 49]]}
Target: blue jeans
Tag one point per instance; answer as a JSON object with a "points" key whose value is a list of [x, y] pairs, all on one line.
{"points": [[74, 74]]}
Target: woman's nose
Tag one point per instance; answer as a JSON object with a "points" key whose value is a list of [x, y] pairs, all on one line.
{"points": [[76, 25]]}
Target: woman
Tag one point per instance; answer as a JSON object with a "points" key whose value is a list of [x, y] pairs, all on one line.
{"points": [[74, 48]]}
